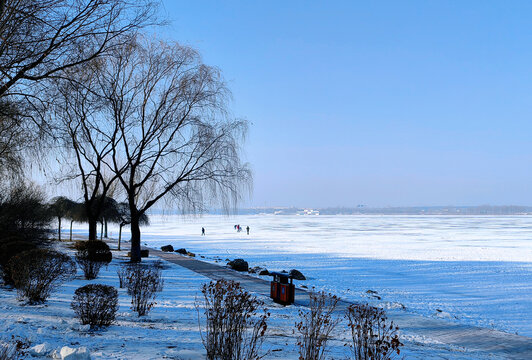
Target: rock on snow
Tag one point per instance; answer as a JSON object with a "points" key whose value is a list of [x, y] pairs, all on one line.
{"points": [[68, 353]]}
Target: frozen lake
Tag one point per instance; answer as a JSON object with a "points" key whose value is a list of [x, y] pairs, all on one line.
{"points": [[469, 269]]}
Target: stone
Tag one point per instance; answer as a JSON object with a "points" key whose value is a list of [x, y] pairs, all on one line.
{"points": [[40, 350], [373, 294], [297, 275], [264, 272], [239, 265], [255, 270], [68, 353], [167, 248], [191, 254], [182, 251]]}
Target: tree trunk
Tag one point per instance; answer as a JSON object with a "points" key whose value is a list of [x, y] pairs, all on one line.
{"points": [[105, 230], [71, 222], [101, 231], [59, 231], [135, 239], [93, 224], [119, 236]]}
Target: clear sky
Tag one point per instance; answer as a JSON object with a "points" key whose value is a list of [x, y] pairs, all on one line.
{"points": [[381, 103]]}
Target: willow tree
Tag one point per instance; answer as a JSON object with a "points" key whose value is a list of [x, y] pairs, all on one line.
{"points": [[60, 208], [12, 139], [40, 39], [176, 142], [86, 141]]}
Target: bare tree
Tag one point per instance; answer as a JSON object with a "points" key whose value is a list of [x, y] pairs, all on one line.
{"points": [[86, 140], [175, 140], [41, 38]]}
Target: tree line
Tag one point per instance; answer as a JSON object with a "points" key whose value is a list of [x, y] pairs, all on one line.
{"points": [[128, 118]]}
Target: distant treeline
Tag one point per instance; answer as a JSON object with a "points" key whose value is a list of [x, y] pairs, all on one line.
{"points": [[417, 210]]}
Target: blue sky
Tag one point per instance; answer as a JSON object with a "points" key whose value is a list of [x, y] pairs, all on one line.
{"points": [[388, 103]]}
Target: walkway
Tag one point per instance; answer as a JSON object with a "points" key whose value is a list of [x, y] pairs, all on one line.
{"points": [[491, 342]]}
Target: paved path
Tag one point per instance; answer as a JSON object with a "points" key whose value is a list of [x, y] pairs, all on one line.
{"points": [[491, 342]]}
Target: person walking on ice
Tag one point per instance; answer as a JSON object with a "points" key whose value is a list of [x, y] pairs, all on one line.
{"points": [[247, 229], [202, 231]]}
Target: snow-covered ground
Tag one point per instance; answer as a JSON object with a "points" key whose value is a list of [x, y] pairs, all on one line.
{"points": [[473, 284], [470, 269], [169, 331]]}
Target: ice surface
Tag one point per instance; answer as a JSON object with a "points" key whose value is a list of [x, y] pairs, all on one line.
{"points": [[474, 269]]}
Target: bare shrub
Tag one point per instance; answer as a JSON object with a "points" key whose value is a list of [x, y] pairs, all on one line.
{"points": [[373, 337], [122, 271], [9, 250], [95, 305], [316, 325], [37, 272], [143, 283], [91, 256], [233, 329], [7, 352]]}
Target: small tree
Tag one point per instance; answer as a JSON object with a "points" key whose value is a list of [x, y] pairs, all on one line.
{"points": [[37, 272], [76, 213], [316, 325], [95, 304], [234, 329], [373, 337], [110, 213], [60, 207]]}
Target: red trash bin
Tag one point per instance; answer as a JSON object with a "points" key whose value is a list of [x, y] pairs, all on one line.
{"points": [[282, 289]]}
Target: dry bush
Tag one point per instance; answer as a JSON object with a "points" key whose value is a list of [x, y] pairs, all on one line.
{"points": [[373, 338], [9, 250], [95, 305], [37, 272], [316, 325], [233, 328], [91, 256], [7, 352], [122, 271], [143, 283]]}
